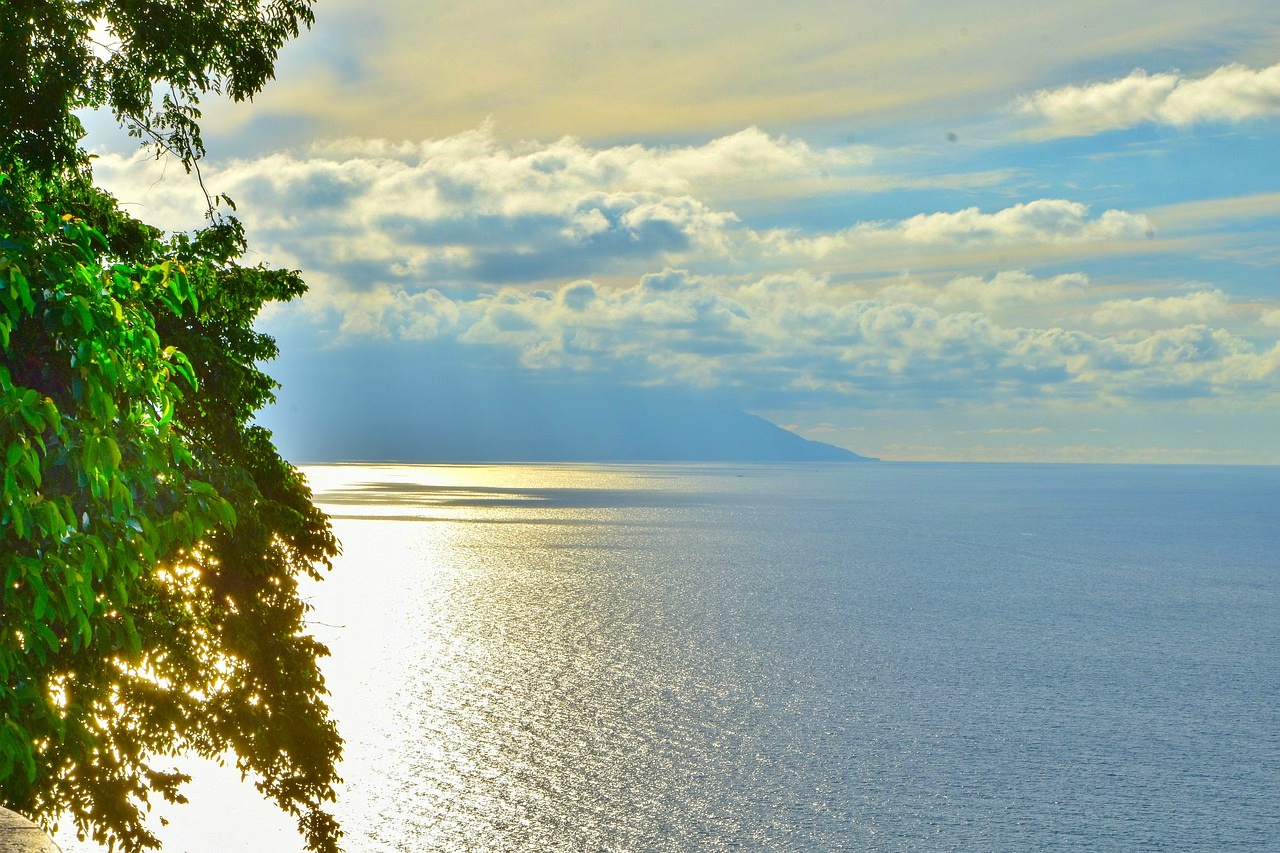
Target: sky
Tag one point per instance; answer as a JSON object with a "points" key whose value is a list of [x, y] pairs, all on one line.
{"points": [[974, 230]]}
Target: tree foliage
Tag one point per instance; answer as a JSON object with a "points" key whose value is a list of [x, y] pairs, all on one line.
{"points": [[57, 56], [151, 537]]}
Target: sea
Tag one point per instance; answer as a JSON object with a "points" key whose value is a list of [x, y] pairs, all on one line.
{"points": [[865, 656]]}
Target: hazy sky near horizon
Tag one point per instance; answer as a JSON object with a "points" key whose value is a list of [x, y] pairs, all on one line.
{"points": [[919, 230]]}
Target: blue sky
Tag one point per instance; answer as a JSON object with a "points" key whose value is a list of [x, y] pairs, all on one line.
{"points": [[921, 230]]}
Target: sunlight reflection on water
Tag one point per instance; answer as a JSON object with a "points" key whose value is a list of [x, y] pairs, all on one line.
{"points": [[865, 658], [560, 692]]}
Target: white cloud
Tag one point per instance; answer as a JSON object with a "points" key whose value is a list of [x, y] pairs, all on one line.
{"points": [[1011, 294], [1044, 222], [1096, 453], [798, 337], [678, 69], [1011, 290], [1005, 431], [1231, 93], [471, 209], [1203, 306], [1080, 110], [750, 160], [567, 257]]}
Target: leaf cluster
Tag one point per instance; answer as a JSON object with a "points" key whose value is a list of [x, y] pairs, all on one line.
{"points": [[151, 537], [148, 61]]}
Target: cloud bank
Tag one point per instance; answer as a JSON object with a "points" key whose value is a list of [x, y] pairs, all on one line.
{"points": [[799, 338], [471, 210], [1232, 93], [642, 265]]}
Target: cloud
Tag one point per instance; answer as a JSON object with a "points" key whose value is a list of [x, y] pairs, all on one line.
{"points": [[473, 210], [1042, 221], [1037, 224], [1200, 307], [1233, 211], [1008, 290], [617, 70], [797, 338], [615, 262], [1082, 110], [1004, 431], [1009, 297], [1232, 93], [749, 160], [1096, 453]]}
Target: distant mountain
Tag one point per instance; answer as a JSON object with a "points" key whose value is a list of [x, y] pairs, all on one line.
{"points": [[341, 412]]}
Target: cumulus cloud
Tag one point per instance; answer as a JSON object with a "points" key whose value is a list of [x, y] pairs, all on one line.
{"points": [[1014, 295], [477, 164], [564, 257], [796, 337], [1200, 307], [471, 209], [1081, 110], [1044, 222], [1232, 93]]}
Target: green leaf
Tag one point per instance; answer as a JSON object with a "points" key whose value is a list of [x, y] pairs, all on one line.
{"points": [[112, 450], [183, 367], [46, 635], [29, 464], [51, 415]]}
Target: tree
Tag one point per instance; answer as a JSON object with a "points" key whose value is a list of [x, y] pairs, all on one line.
{"points": [[54, 60], [151, 537]]}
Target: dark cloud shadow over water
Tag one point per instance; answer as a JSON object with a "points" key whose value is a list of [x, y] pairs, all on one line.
{"points": [[423, 495]]}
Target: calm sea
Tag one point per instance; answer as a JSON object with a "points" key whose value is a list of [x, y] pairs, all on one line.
{"points": [[836, 657]]}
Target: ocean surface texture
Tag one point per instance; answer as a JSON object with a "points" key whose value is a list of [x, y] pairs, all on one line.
{"points": [[821, 657]]}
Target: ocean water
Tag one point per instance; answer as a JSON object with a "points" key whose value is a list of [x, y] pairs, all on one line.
{"points": [[831, 657]]}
